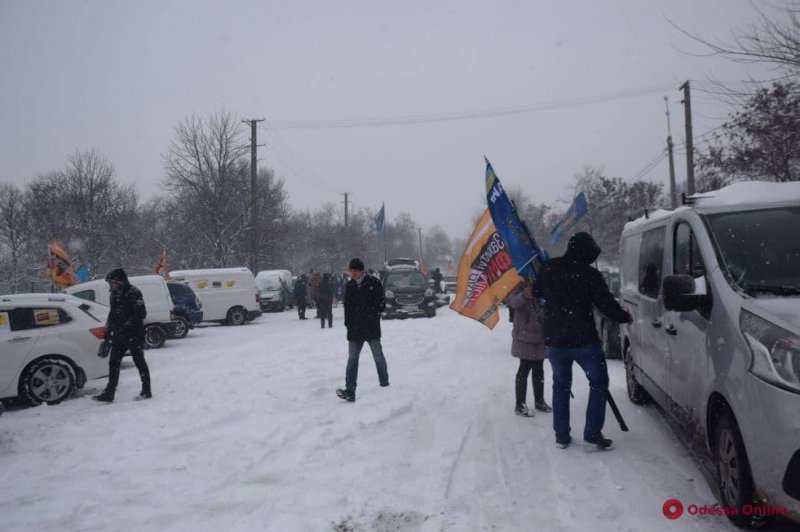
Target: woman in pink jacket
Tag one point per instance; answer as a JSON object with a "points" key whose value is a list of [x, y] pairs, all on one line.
{"points": [[528, 346]]}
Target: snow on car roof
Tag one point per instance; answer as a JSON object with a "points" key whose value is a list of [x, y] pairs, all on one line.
{"points": [[749, 193], [213, 271], [657, 214]]}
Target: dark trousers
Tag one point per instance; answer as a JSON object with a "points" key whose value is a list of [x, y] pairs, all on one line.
{"points": [[536, 369], [301, 308], [326, 313], [115, 359], [351, 373], [592, 361]]}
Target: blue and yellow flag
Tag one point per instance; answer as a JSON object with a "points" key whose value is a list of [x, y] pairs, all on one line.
{"points": [[525, 252], [570, 218], [379, 219]]}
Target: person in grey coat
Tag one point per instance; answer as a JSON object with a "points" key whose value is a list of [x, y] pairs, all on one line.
{"points": [[528, 346]]}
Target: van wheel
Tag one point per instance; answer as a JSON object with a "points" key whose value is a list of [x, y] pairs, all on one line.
{"points": [[236, 316], [154, 336], [636, 393], [733, 469], [181, 327], [47, 380]]}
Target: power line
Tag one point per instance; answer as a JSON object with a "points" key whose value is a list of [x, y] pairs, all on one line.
{"points": [[465, 115]]}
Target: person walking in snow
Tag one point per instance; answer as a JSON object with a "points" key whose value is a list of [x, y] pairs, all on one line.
{"points": [[437, 278], [528, 346], [300, 296], [125, 330], [313, 291], [325, 301], [363, 304], [571, 288]]}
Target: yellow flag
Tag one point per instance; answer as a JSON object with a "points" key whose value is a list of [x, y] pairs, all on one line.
{"points": [[59, 266], [486, 274]]}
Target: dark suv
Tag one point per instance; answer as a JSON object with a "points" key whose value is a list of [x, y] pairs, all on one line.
{"points": [[407, 294], [188, 308]]}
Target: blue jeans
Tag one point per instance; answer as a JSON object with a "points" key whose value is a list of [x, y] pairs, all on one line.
{"points": [[593, 362], [351, 375]]}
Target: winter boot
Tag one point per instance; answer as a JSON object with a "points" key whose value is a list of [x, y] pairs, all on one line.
{"points": [[106, 396], [522, 410], [541, 405], [600, 443], [144, 394], [347, 395], [563, 444]]}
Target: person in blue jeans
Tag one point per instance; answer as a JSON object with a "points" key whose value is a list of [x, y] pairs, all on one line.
{"points": [[571, 288], [363, 304]]}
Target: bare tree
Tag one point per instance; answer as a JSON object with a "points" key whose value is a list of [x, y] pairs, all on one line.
{"points": [[14, 229]]}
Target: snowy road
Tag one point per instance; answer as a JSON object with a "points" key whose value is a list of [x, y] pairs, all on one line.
{"points": [[245, 433]]}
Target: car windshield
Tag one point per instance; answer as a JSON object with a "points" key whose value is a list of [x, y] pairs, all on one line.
{"points": [[401, 262], [409, 279], [760, 249], [269, 283]]}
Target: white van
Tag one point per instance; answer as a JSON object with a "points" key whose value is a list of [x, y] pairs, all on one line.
{"points": [[229, 295], [714, 289], [275, 289], [160, 319]]}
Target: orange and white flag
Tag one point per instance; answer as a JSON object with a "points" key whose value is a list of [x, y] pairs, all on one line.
{"points": [[59, 266], [161, 268]]}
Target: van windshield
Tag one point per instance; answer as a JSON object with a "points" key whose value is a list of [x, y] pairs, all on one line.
{"points": [[406, 279], [760, 249], [269, 283]]}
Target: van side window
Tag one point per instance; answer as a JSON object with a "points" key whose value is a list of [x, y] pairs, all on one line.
{"points": [[651, 260], [88, 295], [628, 269], [686, 258], [216, 284]]}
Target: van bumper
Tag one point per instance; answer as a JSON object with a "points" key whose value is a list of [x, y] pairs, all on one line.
{"points": [[771, 434]]}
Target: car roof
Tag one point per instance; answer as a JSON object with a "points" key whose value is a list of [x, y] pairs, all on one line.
{"points": [[33, 300]]}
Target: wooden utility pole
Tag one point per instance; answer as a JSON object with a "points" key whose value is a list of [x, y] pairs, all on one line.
{"points": [[673, 194], [345, 194], [253, 216], [687, 109]]}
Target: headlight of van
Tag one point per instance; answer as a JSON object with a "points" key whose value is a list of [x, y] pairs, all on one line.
{"points": [[776, 351], [390, 294]]}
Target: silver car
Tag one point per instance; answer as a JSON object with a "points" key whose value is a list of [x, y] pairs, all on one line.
{"points": [[714, 288]]}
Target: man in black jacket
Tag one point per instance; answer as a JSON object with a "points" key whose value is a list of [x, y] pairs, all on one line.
{"points": [[300, 291], [363, 304], [125, 330], [571, 287]]}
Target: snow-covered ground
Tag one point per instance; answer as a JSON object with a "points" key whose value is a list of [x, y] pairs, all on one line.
{"points": [[245, 432]]}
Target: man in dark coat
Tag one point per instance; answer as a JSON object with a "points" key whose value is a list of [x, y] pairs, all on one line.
{"points": [[125, 330], [571, 287], [437, 278], [363, 304], [300, 296], [325, 300]]}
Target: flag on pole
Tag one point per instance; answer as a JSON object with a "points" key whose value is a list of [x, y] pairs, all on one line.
{"points": [[379, 219], [575, 212], [82, 275], [161, 268], [59, 266], [528, 257], [486, 274]]}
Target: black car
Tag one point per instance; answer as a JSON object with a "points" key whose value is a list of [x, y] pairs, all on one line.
{"points": [[407, 294]]}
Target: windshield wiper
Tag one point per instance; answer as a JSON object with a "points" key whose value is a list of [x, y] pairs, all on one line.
{"points": [[784, 290]]}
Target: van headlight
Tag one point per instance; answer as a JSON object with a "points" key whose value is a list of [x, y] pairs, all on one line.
{"points": [[389, 294], [776, 351]]}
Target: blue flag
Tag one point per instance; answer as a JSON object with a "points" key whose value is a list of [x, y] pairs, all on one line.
{"points": [[379, 220], [82, 275], [570, 218], [525, 252]]}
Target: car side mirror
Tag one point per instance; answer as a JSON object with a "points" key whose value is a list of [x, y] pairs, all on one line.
{"points": [[684, 293]]}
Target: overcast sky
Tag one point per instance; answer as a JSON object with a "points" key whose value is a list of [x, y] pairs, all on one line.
{"points": [[118, 76]]}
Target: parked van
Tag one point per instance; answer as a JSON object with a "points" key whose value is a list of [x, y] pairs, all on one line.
{"points": [[714, 288], [160, 320], [229, 295], [275, 289]]}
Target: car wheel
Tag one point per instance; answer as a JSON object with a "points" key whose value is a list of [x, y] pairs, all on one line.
{"points": [[636, 393], [154, 336], [430, 313], [733, 469], [236, 316], [47, 380], [181, 328]]}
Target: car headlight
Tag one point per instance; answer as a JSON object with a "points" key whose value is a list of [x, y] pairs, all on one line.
{"points": [[776, 351], [389, 293], [428, 292]]}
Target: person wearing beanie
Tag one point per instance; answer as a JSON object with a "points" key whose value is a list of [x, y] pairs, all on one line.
{"points": [[571, 289], [363, 304], [125, 330]]}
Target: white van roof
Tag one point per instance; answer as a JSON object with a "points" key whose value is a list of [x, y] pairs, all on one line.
{"points": [[209, 272]]}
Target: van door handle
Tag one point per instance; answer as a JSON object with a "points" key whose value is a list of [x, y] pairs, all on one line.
{"points": [[671, 330], [656, 324], [19, 339]]}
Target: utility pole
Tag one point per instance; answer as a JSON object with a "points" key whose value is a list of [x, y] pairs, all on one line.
{"points": [[420, 247], [672, 192], [253, 224], [687, 109], [345, 194]]}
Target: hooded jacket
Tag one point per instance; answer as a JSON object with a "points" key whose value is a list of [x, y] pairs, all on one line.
{"points": [[363, 304], [125, 322], [571, 288]]}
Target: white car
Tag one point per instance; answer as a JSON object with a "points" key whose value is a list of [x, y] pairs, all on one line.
{"points": [[49, 346]]}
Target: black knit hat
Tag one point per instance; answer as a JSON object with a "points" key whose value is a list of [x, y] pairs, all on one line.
{"points": [[356, 264]]}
